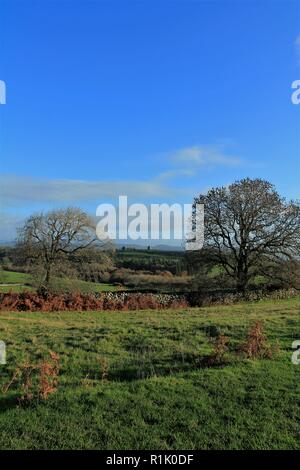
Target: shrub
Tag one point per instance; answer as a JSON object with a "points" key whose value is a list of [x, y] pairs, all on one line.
{"points": [[36, 381], [257, 345], [48, 376], [220, 349]]}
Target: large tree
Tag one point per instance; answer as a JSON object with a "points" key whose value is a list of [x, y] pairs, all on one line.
{"points": [[250, 228], [47, 236]]}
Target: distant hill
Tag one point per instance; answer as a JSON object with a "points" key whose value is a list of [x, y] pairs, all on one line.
{"points": [[160, 247], [7, 243]]}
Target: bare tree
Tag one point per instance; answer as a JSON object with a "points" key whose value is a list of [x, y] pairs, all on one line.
{"points": [[46, 236], [250, 227]]}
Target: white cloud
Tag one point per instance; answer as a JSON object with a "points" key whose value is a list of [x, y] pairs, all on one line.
{"points": [[22, 191], [25, 193], [205, 156]]}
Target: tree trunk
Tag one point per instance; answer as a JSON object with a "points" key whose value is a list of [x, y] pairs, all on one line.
{"points": [[241, 282], [47, 275]]}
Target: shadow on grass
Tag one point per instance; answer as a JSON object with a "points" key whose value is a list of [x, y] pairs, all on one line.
{"points": [[8, 402], [147, 368]]}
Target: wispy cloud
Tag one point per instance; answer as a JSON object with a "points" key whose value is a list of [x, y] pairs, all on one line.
{"points": [[22, 191], [205, 156], [17, 191], [26, 194]]}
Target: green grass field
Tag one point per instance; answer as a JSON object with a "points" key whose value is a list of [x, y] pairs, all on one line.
{"points": [[18, 282], [155, 394]]}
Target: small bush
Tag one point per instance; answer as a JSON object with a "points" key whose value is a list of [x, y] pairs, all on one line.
{"points": [[48, 376], [218, 356], [36, 381], [257, 345]]}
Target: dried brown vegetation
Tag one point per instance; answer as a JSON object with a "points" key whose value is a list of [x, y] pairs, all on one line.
{"points": [[30, 301], [35, 381], [257, 345], [218, 355]]}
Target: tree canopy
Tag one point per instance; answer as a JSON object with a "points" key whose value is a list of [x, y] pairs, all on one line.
{"points": [[45, 236], [250, 228]]}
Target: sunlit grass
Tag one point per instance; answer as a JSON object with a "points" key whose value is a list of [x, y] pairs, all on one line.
{"points": [[157, 394], [20, 282]]}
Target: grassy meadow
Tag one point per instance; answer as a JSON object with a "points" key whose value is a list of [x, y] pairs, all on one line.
{"points": [[11, 281], [137, 380]]}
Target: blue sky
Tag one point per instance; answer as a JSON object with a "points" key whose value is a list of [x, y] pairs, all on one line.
{"points": [[155, 99]]}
